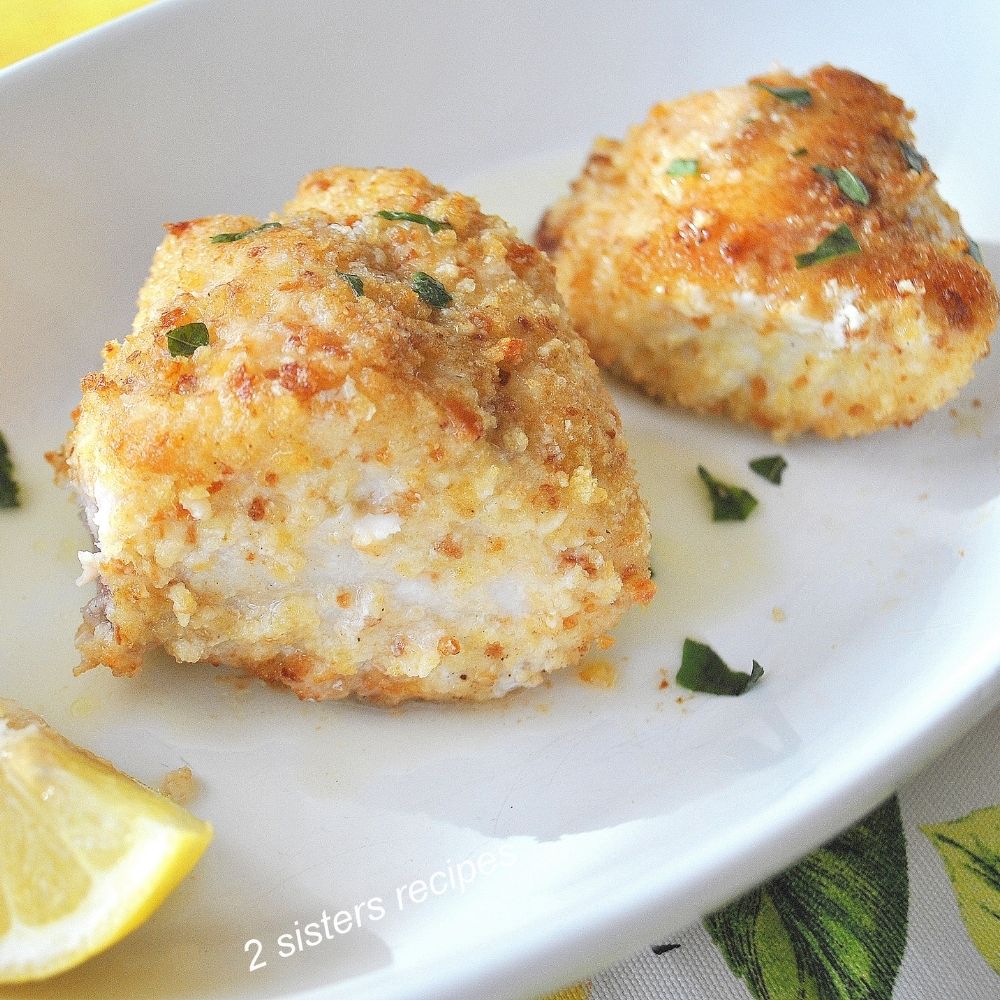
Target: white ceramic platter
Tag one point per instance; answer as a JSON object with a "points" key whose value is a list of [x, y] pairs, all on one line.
{"points": [[598, 819]]}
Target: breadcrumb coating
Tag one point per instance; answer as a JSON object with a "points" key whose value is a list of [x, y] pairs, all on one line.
{"points": [[676, 254], [351, 491]]}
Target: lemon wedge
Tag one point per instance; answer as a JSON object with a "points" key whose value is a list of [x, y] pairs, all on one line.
{"points": [[87, 854]]}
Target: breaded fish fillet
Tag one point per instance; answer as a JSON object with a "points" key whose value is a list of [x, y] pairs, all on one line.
{"points": [[392, 471], [777, 253]]}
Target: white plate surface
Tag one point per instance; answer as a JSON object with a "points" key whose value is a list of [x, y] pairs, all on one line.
{"points": [[612, 817]]}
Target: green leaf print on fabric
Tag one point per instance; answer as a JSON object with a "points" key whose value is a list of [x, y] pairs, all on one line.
{"points": [[833, 927], [970, 848]]}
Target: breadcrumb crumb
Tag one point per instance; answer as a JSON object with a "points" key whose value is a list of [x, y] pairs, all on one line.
{"points": [[179, 785], [599, 673]]}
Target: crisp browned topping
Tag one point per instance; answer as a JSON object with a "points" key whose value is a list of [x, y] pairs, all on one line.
{"points": [[349, 490], [653, 265]]}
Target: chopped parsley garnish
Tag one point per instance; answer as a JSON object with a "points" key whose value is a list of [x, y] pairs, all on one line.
{"points": [[770, 467], [840, 243], [430, 290], [8, 487], [434, 225], [702, 669], [185, 340], [801, 151], [682, 168], [357, 285], [850, 184], [233, 237], [913, 159], [972, 249], [729, 503], [798, 97]]}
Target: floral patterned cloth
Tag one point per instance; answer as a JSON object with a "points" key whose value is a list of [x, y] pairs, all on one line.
{"points": [[903, 906]]}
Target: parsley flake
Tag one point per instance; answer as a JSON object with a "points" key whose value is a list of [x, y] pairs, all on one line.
{"points": [[851, 186], [840, 243], [729, 503], [798, 97], [770, 467], [702, 669], [801, 151], [357, 285], [913, 159], [8, 486], [682, 168], [185, 340], [233, 237], [434, 225], [430, 290]]}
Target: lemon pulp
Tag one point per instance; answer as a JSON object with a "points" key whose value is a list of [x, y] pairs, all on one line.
{"points": [[87, 854]]}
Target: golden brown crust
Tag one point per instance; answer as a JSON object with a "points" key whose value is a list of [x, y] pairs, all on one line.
{"points": [[480, 416], [631, 242]]}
